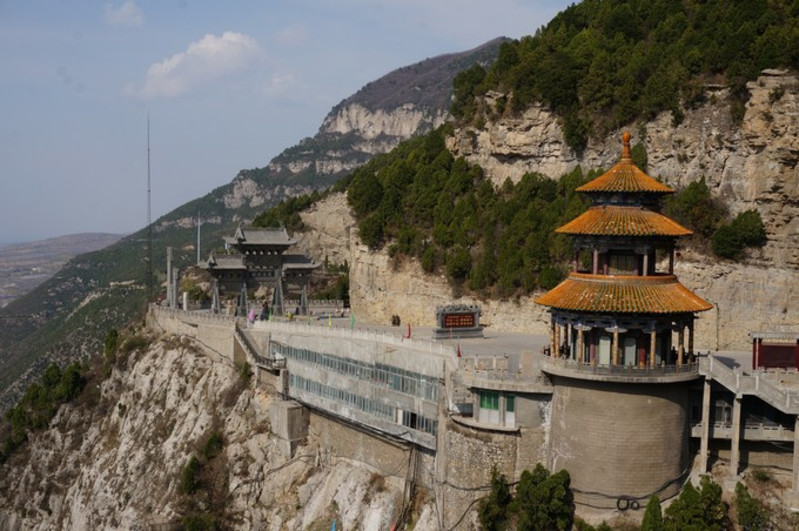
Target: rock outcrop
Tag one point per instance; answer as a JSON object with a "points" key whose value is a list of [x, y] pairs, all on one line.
{"points": [[751, 166]]}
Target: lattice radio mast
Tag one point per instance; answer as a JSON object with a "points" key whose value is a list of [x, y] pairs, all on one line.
{"points": [[149, 223]]}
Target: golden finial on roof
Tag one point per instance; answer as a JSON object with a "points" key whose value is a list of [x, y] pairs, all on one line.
{"points": [[625, 150]]}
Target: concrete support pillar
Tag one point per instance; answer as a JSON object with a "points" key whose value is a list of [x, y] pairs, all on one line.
{"points": [[216, 305], [681, 345], [652, 346], [735, 444], [705, 440], [615, 347], [580, 347], [795, 483]]}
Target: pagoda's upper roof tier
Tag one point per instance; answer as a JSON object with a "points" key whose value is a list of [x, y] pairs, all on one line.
{"points": [[659, 294], [614, 220], [625, 177], [260, 237]]}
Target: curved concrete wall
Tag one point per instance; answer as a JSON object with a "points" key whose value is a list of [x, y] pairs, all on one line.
{"points": [[618, 439]]}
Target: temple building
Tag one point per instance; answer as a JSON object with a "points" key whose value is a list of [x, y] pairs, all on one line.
{"points": [[621, 357], [620, 310], [257, 259]]}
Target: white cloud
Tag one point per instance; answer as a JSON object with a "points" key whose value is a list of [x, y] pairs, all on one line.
{"points": [[211, 58], [280, 84], [294, 34], [128, 14]]}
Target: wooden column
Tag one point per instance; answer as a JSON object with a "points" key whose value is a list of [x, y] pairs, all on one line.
{"points": [[735, 444], [557, 341], [646, 265], [705, 440], [653, 335], [680, 344], [615, 348], [671, 261], [569, 342], [552, 340], [580, 348], [691, 341], [592, 347], [595, 265], [576, 261]]}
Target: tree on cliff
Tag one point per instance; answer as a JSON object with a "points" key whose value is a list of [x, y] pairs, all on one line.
{"points": [[544, 501], [700, 508], [653, 515], [493, 511]]}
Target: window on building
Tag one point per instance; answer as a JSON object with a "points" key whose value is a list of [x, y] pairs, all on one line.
{"points": [[489, 400], [510, 403]]}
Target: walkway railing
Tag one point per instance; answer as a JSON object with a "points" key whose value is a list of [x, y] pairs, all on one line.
{"points": [[321, 328], [264, 362], [668, 372], [750, 384]]}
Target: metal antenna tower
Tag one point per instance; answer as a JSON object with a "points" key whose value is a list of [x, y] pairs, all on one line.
{"points": [[149, 222], [199, 224]]}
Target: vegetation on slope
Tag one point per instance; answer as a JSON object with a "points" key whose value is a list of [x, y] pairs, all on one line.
{"points": [[39, 405], [443, 211], [601, 64], [713, 229]]}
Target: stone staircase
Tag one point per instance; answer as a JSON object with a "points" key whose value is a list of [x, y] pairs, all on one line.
{"points": [[742, 383], [264, 362]]}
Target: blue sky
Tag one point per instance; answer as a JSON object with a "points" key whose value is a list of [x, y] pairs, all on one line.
{"points": [[227, 85]]}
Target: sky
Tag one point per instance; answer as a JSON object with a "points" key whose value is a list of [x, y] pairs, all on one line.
{"points": [[226, 86]]}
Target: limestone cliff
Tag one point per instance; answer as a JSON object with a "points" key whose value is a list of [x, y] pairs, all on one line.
{"points": [[749, 166], [114, 459]]}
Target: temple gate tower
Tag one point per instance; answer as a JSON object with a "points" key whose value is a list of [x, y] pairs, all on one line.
{"points": [[621, 345], [259, 258]]}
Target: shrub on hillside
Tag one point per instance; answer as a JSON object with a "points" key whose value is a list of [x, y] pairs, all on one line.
{"points": [[700, 508], [752, 515], [745, 230]]}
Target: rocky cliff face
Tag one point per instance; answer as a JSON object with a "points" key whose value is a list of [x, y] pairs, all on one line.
{"points": [[751, 166], [115, 459]]}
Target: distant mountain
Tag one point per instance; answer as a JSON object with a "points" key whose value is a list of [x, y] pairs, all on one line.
{"points": [[23, 266], [67, 316]]}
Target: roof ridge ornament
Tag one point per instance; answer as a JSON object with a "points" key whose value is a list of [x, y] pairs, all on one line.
{"points": [[625, 150]]}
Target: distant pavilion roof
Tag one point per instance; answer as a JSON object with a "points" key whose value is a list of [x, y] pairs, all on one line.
{"points": [[658, 294], [613, 220], [260, 236], [224, 261], [298, 262], [625, 177]]}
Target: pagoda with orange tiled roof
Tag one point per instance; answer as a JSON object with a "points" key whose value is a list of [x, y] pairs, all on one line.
{"points": [[620, 310]]}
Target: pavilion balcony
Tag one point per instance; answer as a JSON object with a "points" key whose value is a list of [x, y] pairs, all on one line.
{"points": [[619, 373]]}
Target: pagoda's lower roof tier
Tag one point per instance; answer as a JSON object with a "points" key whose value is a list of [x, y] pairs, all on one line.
{"points": [[615, 220], [658, 294]]}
